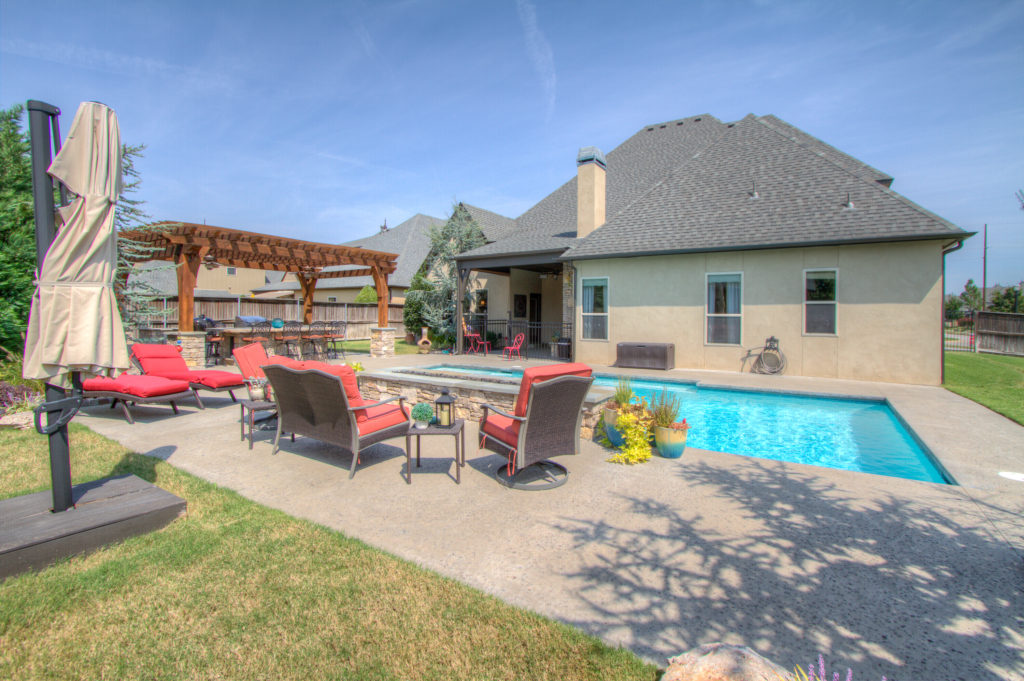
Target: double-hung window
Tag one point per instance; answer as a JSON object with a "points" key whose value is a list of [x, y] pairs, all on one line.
{"points": [[725, 307], [820, 302], [594, 309]]}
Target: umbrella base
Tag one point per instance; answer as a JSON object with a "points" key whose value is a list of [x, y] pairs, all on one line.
{"points": [[539, 476], [105, 511]]}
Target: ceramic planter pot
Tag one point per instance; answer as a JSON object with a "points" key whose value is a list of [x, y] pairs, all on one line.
{"points": [[611, 416], [420, 424], [670, 442]]}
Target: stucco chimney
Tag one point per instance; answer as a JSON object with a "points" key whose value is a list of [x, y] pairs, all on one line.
{"points": [[590, 191]]}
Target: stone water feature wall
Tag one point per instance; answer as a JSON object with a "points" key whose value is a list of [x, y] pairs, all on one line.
{"points": [[469, 395]]}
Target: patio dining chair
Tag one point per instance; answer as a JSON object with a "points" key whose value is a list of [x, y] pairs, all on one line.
{"points": [[336, 339], [546, 422], [291, 339], [517, 343], [260, 332], [316, 339], [329, 408]]}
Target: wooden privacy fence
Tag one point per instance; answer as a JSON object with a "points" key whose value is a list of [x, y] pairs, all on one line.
{"points": [[361, 318], [1000, 332]]}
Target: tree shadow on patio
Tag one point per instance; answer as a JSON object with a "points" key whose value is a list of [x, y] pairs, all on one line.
{"points": [[908, 588]]}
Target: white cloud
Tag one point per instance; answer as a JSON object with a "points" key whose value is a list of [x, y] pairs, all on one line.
{"points": [[112, 62], [539, 51]]}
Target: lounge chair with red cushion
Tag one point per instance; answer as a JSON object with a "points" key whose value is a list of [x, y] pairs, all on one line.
{"points": [[546, 422], [127, 388], [166, 361], [329, 408]]}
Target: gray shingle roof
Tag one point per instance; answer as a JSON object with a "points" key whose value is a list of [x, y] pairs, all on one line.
{"points": [[633, 167], [705, 204], [685, 185], [410, 240], [494, 226]]}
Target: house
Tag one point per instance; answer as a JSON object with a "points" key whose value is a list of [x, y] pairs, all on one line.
{"points": [[714, 236], [410, 240]]}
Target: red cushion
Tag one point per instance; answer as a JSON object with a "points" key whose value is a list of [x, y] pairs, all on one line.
{"points": [[159, 359], [249, 359], [214, 378], [348, 380], [502, 428], [380, 417], [543, 373], [136, 386]]}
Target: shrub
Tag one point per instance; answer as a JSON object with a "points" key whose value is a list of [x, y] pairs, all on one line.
{"points": [[422, 412], [635, 426], [623, 394]]}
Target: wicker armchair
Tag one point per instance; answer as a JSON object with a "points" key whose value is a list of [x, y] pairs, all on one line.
{"points": [[329, 408], [547, 419]]}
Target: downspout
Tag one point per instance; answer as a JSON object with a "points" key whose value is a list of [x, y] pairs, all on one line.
{"points": [[946, 250]]}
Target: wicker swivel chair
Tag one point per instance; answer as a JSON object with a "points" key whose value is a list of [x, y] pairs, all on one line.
{"points": [[329, 408], [547, 419]]}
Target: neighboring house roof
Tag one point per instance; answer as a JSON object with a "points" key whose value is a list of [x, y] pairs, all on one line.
{"points": [[410, 240], [494, 226], [686, 185]]}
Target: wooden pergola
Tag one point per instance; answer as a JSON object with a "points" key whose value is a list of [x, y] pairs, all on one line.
{"points": [[190, 246]]}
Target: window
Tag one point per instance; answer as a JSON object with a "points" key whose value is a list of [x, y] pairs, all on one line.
{"points": [[724, 311], [820, 302], [332, 299], [231, 271], [595, 309]]}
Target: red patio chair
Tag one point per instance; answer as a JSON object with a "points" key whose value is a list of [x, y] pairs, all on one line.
{"points": [[517, 343], [166, 361], [127, 388], [546, 422]]}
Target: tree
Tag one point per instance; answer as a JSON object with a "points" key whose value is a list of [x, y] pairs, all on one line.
{"points": [[1006, 300], [971, 296], [17, 229], [954, 307], [412, 313], [458, 235], [367, 294]]}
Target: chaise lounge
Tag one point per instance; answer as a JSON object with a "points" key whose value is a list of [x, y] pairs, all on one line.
{"points": [[127, 388], [166, 361]]}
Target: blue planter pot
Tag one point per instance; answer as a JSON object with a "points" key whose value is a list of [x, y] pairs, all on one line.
{"points": [[613, 433], [670, 443]]}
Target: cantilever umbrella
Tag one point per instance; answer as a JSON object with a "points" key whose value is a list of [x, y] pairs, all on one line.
{"points": [[74, 325]]}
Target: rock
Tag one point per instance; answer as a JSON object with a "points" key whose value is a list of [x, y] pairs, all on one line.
{"points": [[19, 419], [723, 662]]}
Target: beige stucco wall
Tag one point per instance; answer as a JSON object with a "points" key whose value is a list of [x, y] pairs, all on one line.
{"points": [[889, 324], [498, 303], [242, 282]]}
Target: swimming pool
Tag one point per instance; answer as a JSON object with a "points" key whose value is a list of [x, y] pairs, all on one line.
{"points": [[846, 433]]}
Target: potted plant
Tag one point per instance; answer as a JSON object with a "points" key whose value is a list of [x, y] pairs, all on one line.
{"points": [[621, 399], [421, 414], [669, 434], [554, 346]]}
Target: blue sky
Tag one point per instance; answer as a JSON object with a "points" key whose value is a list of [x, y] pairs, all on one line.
{"points": [[319, 120]]}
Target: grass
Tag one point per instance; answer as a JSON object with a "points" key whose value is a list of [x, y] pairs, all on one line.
{"points": [[995, 381], [239, 591], [363, 346]]}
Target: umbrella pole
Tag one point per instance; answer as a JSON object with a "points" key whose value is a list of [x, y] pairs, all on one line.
{"points": [[40, 116]]}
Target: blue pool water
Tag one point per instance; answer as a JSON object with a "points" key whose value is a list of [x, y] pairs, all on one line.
{"points": [[851, 434]]}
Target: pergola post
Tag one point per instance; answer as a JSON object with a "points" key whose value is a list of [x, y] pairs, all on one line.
{"points": [[307, 282], [460, 293], [382, 338], [187, 261], [380, 282]]}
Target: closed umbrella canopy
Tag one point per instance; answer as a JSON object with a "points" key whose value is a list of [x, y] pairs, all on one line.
{"points": [[74, 324]]}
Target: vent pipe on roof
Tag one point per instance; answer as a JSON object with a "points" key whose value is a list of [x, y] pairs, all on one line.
{"points": [[590, 191]]}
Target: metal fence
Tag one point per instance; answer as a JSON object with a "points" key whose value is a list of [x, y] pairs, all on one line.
{"points": [[958, 334], [540, 339]]}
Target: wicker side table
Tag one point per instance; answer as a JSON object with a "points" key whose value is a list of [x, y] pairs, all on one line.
{"points": [[457, 430]]}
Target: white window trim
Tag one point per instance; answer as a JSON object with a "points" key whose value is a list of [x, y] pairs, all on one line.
{"points": [[607, 315], [743, 297], [804, 303]]}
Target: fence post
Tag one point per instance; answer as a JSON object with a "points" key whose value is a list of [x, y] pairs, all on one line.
{"points": [[974, 331]]}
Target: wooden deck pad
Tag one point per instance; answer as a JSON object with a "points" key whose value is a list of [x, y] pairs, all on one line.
{"points": [[106, 511]]}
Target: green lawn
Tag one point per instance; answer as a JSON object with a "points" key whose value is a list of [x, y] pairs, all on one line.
{"points": [[239, 591], [995, 381], [363, 346]]}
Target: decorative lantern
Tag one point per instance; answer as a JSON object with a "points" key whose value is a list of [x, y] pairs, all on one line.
{"points": [[444, 406]]}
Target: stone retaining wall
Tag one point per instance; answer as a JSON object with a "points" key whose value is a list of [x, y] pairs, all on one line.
{"points": [[469, 395]]}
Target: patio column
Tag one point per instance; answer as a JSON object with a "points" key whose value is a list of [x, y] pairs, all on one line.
{"points": [[187, 260], [307, 282], [460, 293]]}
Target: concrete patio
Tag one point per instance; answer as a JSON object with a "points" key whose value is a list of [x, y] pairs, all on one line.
{"points": [[891, 577]]}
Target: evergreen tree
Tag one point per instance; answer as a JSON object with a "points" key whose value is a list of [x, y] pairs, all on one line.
{"points": [[368, 294], [971, 296], [17, 229], [412, 313], [458, 235]]}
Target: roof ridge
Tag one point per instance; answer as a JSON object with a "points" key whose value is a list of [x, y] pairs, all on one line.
{"points": [[771, 124], [870, 183]]}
